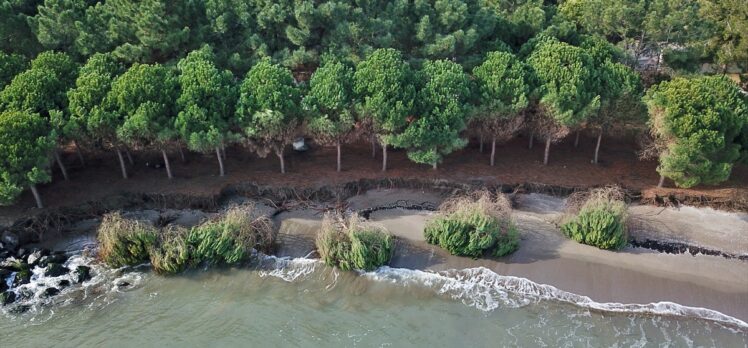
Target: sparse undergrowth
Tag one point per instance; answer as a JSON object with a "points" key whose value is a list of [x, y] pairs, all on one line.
{"points": [[474, 226], [228, 239], [598, 218], [353, 244]]}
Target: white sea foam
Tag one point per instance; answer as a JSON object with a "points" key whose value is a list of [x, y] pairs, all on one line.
{"points": [[288, 269], [485, 290]]}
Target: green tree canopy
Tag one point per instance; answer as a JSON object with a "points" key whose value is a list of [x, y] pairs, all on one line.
{"points": [[699, 120], [10, 66], [267, 108], [26, 143], [206, 103], [568, 88], [443, 99], [384, 83], [145, 98], [55, 23], [41, 88], [502, 94], [330, 102]]}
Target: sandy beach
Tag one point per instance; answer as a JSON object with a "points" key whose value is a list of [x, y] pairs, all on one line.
{"points": [[632, 275]]}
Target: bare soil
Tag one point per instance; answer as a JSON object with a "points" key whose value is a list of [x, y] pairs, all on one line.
{"points": [[515, 164]]}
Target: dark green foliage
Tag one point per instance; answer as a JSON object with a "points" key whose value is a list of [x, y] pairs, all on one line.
{"points": [[443, 105], [124, 242], [10, 66], [43, 87], [25, 145], [350, 244], [474, 226], [699, 121], [601, 220]]}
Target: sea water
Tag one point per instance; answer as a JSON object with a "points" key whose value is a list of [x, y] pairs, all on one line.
{"points": [[301, 302]]}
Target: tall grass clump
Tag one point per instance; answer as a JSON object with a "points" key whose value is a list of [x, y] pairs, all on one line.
{"points": [[171, 254], [474, 226], [125, 242], [597, 218], [353, 244], [228, 239], [231, 238]]}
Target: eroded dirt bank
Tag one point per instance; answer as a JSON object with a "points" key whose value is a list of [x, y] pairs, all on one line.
{"points": [[99, 183]]}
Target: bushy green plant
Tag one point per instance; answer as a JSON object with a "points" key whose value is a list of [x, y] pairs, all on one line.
{"points": [[172, 254], [229, 239], [125, 242], [474, 226], [350, 244], [600, 220]]}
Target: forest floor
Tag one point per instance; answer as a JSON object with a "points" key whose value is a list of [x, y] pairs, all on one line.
{"points": [[515, 164]]}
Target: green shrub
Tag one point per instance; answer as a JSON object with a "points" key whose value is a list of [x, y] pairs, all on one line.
{"points": [[474, 226], [172, 254], [125, 242], [599, 220], [351, 244], [231, 238]]}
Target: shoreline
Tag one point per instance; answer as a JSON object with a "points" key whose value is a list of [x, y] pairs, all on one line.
{"points": [[634, 275]]}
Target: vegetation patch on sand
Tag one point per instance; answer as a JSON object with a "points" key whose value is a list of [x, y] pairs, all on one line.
{"points": [[228, 239], [350, 243], [474, 226], [597, 217]]}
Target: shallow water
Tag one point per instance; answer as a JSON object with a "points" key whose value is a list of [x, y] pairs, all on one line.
{"points": [[300, 302]]}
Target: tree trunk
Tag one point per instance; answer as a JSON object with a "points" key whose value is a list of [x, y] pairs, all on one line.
{"points": [[576, 140], [373, 147], [493, 150], [481, 143], [122, 163], [547, 150], [37, 198], [279, 153], [338, 146], [220, 159], [61, 165], [166, 164], [384, 157], [80, 154], [532, 139], [662, 181], [223, 150], [129, 157], [597, 148], [434, 166], [181, 154]]}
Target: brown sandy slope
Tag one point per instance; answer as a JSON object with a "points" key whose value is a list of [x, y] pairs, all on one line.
{"points": [[515, 164]]}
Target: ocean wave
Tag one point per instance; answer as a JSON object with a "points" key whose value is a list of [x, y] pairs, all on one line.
{"points": [[486, 290]]}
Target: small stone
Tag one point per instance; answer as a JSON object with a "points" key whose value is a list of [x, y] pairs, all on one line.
{"points": [[36, 255], [54, 258], [49, 292], [22, 277], [7, 298], [55, 270], [25, 294], [19, 309], [63, 283], [9, 240], [123, 284], [82, 273]]}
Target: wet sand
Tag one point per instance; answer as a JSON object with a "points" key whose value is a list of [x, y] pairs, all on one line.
{"points": [[632, 275]]}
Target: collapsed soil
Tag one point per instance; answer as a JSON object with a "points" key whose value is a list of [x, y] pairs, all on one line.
{"points": [[515, 164]]}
